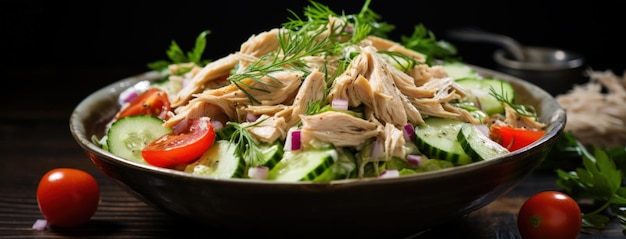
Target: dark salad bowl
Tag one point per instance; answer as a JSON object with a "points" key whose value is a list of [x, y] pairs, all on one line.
{"points": [[380, 207]]}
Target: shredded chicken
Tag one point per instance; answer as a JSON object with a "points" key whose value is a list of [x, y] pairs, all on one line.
{"points": [[390, 98], [339, 129], [596, 111]]}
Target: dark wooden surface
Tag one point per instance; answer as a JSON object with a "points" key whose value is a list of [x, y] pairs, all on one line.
{"points": [[35, 137]]}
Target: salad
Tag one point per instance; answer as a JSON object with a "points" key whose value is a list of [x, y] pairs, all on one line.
{"points": [[324, 97]]}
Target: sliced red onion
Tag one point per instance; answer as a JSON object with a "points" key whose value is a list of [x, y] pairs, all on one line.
{"points": [[258, 172], [409, 132], [217, 125], [414, 159], [377, 149], [296, 141], [127, 96], [251, 117], [340, 104], [181, 126], [390, 173], [483, 129], [40, 224]]}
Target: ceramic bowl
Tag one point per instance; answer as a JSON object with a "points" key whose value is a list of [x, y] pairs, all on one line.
{"points": [[385, 207]]}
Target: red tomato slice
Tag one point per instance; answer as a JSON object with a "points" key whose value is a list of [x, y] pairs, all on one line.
{"points": [[67, 197], [181, 148], [516, 138], [152, 102], [549, 214]]}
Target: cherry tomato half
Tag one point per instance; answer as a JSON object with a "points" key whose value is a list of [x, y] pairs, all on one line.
{"points": [[152, 102], [180, 148], [516, 138], [549, 214], [67, 197]]}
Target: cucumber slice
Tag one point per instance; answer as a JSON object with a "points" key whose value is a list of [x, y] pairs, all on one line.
{"points": [[459, 70], [478, 145], [129, 135], [303, 165], [479, 90], [343, 168], [437, 139], [269, 155], [220, 161]]}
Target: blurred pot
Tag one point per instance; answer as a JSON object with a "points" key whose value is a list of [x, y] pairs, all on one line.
{"points": [[554, 70]]}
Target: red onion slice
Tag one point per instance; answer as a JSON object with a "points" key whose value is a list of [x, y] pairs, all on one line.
{"points": [[390, 173], [258, 172], [340, 104], [414, 159], [409, 133], [296, 142]]}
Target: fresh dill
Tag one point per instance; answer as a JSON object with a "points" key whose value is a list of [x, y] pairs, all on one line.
{"points": [[300, 38], [523, 110], [247, 146]]}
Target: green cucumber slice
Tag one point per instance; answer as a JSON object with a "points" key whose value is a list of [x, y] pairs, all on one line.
{"points": [[303, 165], [479, 90], [437, 139], [478, 145], [129, 135], [219, 161], [269, 155], [458, 70]]}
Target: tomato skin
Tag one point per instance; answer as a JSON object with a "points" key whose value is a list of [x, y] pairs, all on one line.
{"points": [[180, 148], [67, 197], [152, 102], [515, 138], [549, 214]]}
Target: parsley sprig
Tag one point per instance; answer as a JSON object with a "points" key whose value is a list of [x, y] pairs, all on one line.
{"points": [[600, 179], [176, 55]]}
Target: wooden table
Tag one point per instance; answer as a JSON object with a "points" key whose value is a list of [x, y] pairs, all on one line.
{"points": [[32, 143]]}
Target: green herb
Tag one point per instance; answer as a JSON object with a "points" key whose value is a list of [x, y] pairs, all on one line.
{"points": [[301, 38], [523, 110], [424, 41], [177, 56], [599, 179], [247, 145]]}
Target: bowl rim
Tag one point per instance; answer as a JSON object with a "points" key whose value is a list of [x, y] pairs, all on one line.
{"points": [[79, 130]]}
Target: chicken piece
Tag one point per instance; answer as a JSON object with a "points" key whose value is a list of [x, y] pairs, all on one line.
{"points": [[212, 106], [337, 128], [393, 145], [255, 47], [519, 121], [211, 71], [311, 90], [272, 89], [388, 45], [268, 129], [261, 44], [388, 103], [342, 87]]}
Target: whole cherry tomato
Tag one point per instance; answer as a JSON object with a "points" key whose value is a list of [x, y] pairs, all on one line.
{"points": [[180, 148], [67, 197], [549, 214], [152, 102]]}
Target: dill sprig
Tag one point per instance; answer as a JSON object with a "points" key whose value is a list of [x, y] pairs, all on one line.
{"points": [[523, 110], [300, 38], [292, 48], [247, 146]]}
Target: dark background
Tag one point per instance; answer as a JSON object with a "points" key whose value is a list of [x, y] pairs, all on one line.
{"points": [[54, 53]]}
